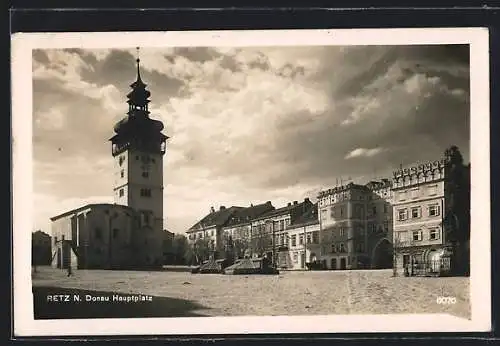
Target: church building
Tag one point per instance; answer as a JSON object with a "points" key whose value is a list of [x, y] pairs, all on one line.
{"points": [[128, 233]]}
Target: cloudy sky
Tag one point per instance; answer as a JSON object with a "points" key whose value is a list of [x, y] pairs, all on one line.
{"points": [[247, 125]]}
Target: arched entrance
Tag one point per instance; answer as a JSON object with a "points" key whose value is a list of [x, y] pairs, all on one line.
{"points": [[382, 255]]}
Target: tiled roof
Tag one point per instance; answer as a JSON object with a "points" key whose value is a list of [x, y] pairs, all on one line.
{"points": [[246, 215], [215, 218], [290, 208]]}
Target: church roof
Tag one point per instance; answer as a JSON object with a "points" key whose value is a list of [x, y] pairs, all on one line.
{"points": [[91, 206]]}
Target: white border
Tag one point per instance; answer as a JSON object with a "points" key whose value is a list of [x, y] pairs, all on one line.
{"points": [[24, 323]]}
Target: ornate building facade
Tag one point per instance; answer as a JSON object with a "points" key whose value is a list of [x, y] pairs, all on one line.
{"points": [[431, 224], [417, 223]]}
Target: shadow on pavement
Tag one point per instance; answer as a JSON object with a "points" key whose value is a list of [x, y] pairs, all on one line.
{"points": [[68, 306]]}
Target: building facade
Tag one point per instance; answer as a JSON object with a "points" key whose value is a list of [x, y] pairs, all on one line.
{"points": [[205, 236], [430, 204], [269, 234], [356, 226], [236, 233], [104, 236], [300, 245], [417, 223], [130, 232]]}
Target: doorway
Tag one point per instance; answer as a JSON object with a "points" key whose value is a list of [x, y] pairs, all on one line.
{"points": [[334, 263], [343, 263]]}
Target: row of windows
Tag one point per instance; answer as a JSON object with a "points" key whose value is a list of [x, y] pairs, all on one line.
{"points": [[359, 210], [276, 225], [192, 236], [416, 192], [416, 212], [145, 174], [417, 235], [311, 238], [339, 248], [143, 192]]}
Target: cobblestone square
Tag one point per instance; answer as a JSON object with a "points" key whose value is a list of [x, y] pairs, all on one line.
{"points": [[180, 293]]}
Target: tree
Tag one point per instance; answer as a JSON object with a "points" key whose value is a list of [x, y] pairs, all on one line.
{"points": [[180, 248], [201, 250], [261, 241]]}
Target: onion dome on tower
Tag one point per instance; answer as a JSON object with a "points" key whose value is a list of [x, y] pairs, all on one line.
{"points": [[137, 130]]}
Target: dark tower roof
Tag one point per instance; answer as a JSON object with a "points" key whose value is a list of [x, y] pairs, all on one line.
{"points": [[139, 96], [137, 128]]}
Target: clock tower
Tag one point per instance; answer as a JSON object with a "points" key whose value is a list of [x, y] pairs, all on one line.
{"points": [[138, 147]]}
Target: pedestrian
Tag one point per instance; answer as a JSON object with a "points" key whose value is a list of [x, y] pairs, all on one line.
{"points": [[69, 271]]}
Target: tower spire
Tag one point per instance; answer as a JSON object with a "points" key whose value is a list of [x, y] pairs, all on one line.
{"points": [[138, 61], [138, 98]]}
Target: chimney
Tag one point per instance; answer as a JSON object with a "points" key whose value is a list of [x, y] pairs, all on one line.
{"points": [[222, 207], [268, 202], [212, 210], [289, 204], [295, 202], [251, 205], [307, 200]]}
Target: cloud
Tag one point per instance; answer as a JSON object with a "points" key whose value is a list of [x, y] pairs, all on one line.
{"points": [[246, 125], [363, 152]]}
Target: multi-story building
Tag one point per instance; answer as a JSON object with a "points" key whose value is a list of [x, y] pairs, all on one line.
{"points": [[431, 207], [130, 232], [379, 222], [418, 221], [355, 225], [205, 236], [237, 230], [269, 229], [303, 244], [41, 248], [419, 201]]}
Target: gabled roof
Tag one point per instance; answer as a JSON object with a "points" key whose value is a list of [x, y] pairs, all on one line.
{"points": [[246, 215], [215, 218]]}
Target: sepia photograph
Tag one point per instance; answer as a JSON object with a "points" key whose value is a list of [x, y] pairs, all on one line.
{"points": [[333, 180]]}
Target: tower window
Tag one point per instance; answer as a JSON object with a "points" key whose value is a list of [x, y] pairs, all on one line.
{"points": [[153, 160], [122, 173], [137, 157], [98, 233], [145, 174], [145, 192], [115, 232], [121, 192]]}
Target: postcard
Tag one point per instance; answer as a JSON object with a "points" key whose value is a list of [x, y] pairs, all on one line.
{"points": [[242, 182]]}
